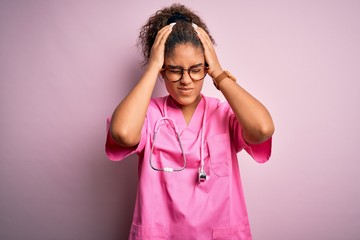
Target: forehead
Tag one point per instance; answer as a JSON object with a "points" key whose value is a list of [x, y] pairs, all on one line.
{"points": [[185, 55]]}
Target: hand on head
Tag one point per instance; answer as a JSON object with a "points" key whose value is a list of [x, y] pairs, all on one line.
{"points": [[158, 48], [211, 59]]}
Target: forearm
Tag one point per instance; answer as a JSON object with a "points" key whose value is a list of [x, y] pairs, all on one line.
{"points": [[128, 117], [256, 122]]}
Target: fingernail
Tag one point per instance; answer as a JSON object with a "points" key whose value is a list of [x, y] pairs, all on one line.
{"points": [[172, 25], [194, 26]]}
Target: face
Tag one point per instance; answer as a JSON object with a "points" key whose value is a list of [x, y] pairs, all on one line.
{"points": [[185, 92]]}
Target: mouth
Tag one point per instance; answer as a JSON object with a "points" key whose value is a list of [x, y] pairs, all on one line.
{"points": [[185, 90]]}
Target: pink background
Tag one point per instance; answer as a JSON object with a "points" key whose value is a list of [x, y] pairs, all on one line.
{"points": [[65, 65]]}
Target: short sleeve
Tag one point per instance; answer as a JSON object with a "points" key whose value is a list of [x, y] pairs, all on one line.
{"points": [[259, 152], [115, 152]]}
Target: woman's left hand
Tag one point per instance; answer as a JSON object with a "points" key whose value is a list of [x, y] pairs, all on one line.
{"points": [[255, 120], [210, 54]]}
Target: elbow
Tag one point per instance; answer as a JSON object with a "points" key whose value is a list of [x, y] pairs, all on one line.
{"points": [[124, 137], [266, 132], [260, 134]]}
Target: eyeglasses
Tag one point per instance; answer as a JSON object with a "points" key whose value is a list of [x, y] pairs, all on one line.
{"points": [[175, 73]]}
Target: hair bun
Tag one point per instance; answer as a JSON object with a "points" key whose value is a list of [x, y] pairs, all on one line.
{"points": [[178, 17]]}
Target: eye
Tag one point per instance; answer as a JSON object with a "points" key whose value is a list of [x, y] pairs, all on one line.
{"points": [[175, 71], [195, 70]]}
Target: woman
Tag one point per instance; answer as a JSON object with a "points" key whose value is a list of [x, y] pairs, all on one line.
{"points": [[189, 186]]}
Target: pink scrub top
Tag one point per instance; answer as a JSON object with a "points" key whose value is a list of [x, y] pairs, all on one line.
{"points": [[174, 205]]}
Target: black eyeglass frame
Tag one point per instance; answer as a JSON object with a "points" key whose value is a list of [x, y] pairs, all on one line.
{"points": [[183, 70]]}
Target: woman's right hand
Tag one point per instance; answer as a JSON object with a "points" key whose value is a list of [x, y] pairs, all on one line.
{"points": [[157, 58], [129, 116]]}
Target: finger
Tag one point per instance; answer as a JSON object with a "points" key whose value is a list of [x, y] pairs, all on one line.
{"points": [[207, 43], [163, 34], [158, 47], [205, 40], [210, 53], [203, 34]]}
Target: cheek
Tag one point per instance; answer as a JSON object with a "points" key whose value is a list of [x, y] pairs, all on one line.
{"points": [[169, 86], [200, 85]]}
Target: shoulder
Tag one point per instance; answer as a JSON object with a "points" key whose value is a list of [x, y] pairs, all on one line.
{"points": [[212, 100], [215, 104], [156, 106], [157, 102]]}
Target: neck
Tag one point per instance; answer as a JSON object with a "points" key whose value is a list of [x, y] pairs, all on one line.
{"points": [[188, 110]]}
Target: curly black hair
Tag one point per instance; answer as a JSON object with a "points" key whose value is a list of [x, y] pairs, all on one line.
{"points": [[182, 32]]}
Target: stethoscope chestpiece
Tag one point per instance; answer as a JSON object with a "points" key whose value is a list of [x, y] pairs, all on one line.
{"points": [[202, 175]]}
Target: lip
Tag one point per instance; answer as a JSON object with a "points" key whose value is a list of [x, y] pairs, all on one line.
{"points": [[185, 90]]}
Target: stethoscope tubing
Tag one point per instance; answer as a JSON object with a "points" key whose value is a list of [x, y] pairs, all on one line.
{"points": [[156, 129], [172, 122]]}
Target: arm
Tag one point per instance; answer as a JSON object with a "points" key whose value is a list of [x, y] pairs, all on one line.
{"points": [[129, 116], [256, 122]]}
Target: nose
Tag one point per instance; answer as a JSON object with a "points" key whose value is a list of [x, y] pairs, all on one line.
{"points": [[186, 79]]}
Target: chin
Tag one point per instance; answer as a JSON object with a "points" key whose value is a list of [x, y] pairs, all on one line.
{"points": [[184, 100]]}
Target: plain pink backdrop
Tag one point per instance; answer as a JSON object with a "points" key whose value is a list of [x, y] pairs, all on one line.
{"points": [[65, 65]]}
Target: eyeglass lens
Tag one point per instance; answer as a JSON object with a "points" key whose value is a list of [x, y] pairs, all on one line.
{"points": [[175, 74]]}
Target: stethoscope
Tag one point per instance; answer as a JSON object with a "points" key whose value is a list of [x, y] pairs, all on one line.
{"points": [[167, 121]]}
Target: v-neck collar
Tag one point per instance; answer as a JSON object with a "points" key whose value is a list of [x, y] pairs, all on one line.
{"points": [[175, 112]]}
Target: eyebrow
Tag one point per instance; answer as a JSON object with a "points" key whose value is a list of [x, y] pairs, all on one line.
{"points": [[193, 66]]}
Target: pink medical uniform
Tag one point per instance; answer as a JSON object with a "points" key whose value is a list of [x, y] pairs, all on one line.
{"points": [[174, 205]]}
